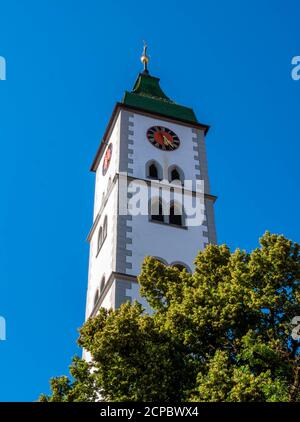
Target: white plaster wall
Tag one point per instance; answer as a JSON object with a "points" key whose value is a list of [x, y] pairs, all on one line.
{"points": [[101, 183], [101, 264], [144, 151], [149, 238], [163, 241]]}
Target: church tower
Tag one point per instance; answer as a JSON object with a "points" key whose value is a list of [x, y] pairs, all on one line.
{"points": [[151, 141]]}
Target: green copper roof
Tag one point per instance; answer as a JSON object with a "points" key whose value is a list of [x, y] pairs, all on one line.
{"points": [[148, 95]]}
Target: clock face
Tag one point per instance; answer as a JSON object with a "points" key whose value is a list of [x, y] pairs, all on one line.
{"points": [[163, 138], [107, 158]]}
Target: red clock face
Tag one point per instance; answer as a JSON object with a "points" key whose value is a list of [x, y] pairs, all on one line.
{"points": [[107, 158], [163, 138]]}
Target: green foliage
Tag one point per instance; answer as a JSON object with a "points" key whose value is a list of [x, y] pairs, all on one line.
{"points": [[83, 388], [219, 334]]}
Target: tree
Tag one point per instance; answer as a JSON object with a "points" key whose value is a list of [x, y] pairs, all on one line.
{"points": [[222, 333]]}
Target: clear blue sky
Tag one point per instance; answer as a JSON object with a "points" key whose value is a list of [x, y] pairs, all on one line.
{"points": [[68, 62]]}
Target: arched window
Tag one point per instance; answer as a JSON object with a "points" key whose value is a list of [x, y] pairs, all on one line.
{"points": [[102, 234], [105, 228], [154, 170], [175, 174], [108, 184], [102, 285], [175, 216], [153, 173], [181, 266], [100, 239], [156, 210], [96, 297], [163, 261]]}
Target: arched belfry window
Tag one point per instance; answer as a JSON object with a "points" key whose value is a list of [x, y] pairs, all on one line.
{"points": [[176, 215], [161, 260], [108, 184], [102, 284], [100, 239], [181, 266], [105, 228], [96, 297], [156, 211], [102, 234], [153, 173], [175, 174], [154, 170]]}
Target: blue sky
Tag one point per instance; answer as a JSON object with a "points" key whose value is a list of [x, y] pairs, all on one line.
{"points": [[68, 62]]}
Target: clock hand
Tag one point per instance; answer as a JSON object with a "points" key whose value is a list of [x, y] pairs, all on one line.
{"points": [[167, 142]]}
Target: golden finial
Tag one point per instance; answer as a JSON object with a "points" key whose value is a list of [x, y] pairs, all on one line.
{"points": [[145, 58]]}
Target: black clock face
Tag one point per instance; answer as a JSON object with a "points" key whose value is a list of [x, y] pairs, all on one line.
{"points": [[163, 138]]}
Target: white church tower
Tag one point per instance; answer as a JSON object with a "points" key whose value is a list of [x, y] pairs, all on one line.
{"points": [[151, 139]]}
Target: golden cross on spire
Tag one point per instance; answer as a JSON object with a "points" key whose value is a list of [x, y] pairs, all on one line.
{"points": [[145, 58]]}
